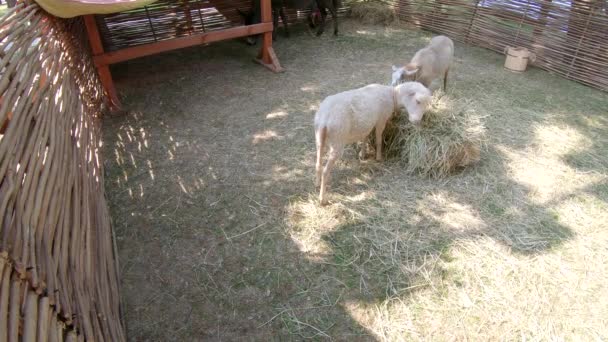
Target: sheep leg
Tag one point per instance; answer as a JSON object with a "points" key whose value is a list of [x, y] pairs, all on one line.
{"points": [[334, 153], [284, 20], [445, 80], [334, 16], [311, 23], [323, 11], [379, 131], [275, 23], [363, 151], [320, 142]]}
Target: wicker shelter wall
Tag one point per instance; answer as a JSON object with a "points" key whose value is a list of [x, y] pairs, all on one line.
{"points": [[168, 19], [569, 37], [58, 272]]}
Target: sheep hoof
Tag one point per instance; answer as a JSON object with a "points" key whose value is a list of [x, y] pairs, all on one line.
{"points": [[324, 202]]}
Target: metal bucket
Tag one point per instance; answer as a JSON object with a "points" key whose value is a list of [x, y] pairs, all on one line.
{"points": [[517, 58]]}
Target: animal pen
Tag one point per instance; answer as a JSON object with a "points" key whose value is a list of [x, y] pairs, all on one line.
{"points": [[59, 276], [169, 25]]}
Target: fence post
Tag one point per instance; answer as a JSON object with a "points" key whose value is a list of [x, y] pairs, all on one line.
{"points": [[580, 41], [466, 39], [103, 70]]}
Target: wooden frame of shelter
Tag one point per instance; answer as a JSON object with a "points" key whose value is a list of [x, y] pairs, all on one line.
{"points": [[103, 59]]}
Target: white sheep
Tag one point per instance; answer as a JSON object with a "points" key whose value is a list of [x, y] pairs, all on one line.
{"points": [[428, 63], [350, 116]]}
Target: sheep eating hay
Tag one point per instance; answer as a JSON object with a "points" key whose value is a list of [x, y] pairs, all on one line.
{"points": [[450, 137]]}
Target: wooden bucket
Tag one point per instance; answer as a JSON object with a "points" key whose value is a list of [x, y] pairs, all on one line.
{"points": [[517, 58]]}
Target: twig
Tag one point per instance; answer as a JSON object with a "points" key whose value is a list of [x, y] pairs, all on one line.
{"points": [[320, 332], [273, 317], [249, 231]]}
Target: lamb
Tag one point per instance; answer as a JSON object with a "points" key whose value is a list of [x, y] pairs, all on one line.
{"points": [[429, 63], [350, 116]]}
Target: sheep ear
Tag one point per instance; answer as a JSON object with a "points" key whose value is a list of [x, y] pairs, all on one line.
{"points": [[395, 68], [411, 72]]}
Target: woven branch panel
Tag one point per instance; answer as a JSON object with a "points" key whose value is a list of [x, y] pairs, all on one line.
{"points": [[168, 19], [58, 274], [569, 38]]}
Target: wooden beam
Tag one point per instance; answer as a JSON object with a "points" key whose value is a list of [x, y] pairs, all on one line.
{"points": [[178, 43], [274, 64], [103, 70], [267, 57]]}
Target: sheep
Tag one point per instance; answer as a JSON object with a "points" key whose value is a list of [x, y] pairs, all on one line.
{"points": [[429, 63], [350, 116]]}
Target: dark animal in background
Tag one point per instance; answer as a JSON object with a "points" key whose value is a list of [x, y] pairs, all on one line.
{"points": [[318, 8], [321, 7], [254, 16]]}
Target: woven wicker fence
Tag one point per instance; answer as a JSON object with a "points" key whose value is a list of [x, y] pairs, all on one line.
{"points": [[168, 19], [569, 38], [58, 274]]}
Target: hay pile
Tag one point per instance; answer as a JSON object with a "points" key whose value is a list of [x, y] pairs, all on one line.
{"points": [[369, 12], [450, 137]]}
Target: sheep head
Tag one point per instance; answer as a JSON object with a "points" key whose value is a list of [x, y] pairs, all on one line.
{"points": [[416, 99]]}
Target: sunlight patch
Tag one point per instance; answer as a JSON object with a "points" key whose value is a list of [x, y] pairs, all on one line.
{"points": [[365, 195], [389, 320], [310, 223], [277, 114], [266, 135], [309, 89], [559, 140], [283, 173], [545, 175], [441, 208], [366, 33]]}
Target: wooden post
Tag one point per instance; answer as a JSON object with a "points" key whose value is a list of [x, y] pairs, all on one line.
{"points": [[267, 57], [104, 70], [468, 33]]}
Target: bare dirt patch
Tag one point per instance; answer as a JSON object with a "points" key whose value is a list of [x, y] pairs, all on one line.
{"points": [[210, 182]]}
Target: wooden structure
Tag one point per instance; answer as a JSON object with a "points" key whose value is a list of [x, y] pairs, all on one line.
{"points": [[169, 25], [569, 38], [58, 269]]}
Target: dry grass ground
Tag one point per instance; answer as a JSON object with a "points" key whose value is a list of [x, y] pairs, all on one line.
{"points": [[210, 182]]}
